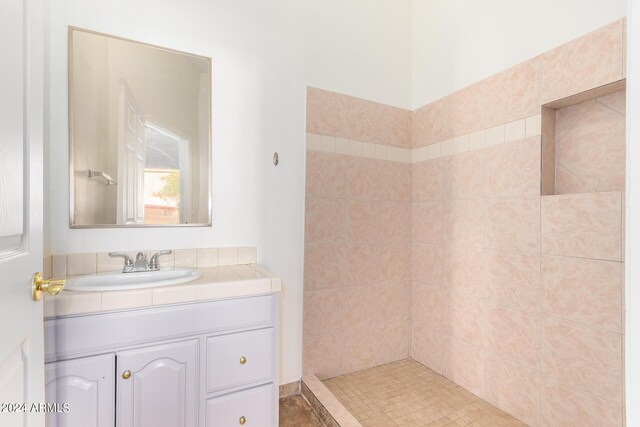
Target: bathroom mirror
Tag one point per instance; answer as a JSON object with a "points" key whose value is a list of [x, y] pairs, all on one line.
{"points": [[140, 134]]}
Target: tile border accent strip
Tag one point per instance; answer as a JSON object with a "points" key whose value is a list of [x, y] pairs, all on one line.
{"points": [[350, 147], [509, 132]]}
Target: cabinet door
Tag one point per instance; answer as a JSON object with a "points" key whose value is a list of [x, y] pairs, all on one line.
{"points": [[158, 386], [87, 385]]}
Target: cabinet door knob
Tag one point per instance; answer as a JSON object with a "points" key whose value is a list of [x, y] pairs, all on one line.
{"points": [[243, 360], [126, 375], [242, 421]]}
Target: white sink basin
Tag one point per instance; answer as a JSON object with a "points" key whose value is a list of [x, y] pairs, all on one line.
{"points": [[139, 280]]}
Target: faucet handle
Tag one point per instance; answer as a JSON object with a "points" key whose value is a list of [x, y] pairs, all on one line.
{"points": [[153, 262], [128, 261]]}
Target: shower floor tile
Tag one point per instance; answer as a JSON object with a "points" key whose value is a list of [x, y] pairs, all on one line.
{"points": [[408, 394]]}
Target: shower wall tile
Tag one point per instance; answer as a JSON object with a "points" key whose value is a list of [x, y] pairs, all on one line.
{"points": [[361, 307], [513, 224], [395, 127], [327, 113], [395, 262], [324, 220], [395, 221], [427, 181], [362, 264], [566, 406], [395, 181], [363, 222], [359, 350], [362, 179], [322, 312], [427, 305], [363, 119], [583, 225], [464, 175], [464, 223], [462, 317], [513, 334], [513, 279], [428, 222], [519, 91], [427, 346], [325, 174], [337, 115], [430, 123], [513, 169], [427, 264], [585, 63], [583, 290], [591, 145], [393, 341], [466, 110], [583, 357], [324, 266], [395, 302], [322, 356], [464, 270], [513, 388], [616, 101], [463, 363]]}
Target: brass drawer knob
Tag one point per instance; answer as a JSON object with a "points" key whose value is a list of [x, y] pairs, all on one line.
{"points": [[126, 375], [242, 421], [243, 360]]}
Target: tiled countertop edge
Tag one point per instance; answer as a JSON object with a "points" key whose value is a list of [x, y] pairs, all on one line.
{"points": [[78, 302], [327, 406]]}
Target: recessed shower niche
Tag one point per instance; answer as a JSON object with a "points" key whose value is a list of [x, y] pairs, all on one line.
{"points": [[583, 142]]}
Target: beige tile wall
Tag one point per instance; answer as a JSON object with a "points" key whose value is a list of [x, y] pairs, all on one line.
{"points": [[357, 263], [358, 233], [518, 297], [515, 296]]}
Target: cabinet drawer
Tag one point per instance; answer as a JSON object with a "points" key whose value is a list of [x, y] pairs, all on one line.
{"points": [[255, 406], [239, 359]]}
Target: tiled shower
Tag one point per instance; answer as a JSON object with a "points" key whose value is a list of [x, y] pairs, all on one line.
{"points": [[480, 235]]}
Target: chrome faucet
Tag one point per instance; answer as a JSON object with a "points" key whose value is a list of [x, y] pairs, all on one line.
{"points": [[140, 263]]}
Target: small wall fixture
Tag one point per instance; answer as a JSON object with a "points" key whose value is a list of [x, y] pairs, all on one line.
{"points": [[96, 174], [276, 158]]}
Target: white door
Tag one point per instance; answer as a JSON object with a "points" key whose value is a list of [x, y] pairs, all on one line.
{"points": [[21, 209], [132, 152]]}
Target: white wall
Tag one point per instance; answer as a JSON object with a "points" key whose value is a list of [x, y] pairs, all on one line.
{"points": [[632, 273], [264, 55], [459, 42]]}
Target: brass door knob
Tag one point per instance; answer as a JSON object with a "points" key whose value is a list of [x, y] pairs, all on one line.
{"points": [[243, 360], [242, 421], [126, 375], [39, 285]]}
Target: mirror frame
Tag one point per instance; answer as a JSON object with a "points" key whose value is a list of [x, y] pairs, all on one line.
{"points": [[70, 93]]}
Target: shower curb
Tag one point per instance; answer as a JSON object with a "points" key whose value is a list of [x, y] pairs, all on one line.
{"points": [[325, 404]]}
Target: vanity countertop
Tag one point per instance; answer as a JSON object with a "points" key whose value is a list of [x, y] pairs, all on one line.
{"points": [[215, 283]]}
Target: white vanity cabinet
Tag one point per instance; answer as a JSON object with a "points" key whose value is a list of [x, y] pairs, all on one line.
{"points": [[201, 364], [87, 385], [158, 385]]}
